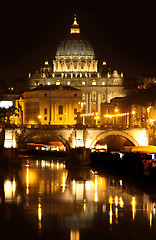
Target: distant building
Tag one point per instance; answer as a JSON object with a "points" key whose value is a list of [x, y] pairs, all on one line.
{"points": [[55, 105], [75, 65], [146, 81]]}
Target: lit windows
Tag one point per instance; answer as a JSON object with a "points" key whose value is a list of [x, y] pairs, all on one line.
{"points": [[93, 83], [58, 83]]}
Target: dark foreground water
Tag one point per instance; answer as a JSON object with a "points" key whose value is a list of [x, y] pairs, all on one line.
{"points": [[41, 199]]}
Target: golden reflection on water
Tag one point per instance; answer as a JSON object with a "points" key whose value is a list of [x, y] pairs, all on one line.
{"points": [[50, 189]]}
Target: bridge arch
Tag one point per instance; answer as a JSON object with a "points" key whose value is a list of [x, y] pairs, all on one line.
{"points": [[116, 133], [48, 134]]}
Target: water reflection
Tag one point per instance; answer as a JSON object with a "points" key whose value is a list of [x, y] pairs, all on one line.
{"points": [[73, 204]]}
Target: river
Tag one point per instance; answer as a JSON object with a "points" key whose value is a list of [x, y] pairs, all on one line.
{"points": [[42, 199]]}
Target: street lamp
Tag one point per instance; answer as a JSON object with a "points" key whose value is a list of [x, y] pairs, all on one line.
{"points": [[39, 118], [97, 118]]}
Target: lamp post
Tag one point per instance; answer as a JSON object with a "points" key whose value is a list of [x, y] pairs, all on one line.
{"points": [[39, 119]]}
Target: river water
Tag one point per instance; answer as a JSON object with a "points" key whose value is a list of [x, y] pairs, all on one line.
{"points": [[42, 199]]}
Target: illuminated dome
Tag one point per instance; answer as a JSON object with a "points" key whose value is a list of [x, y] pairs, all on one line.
{"points": [[75, 54], [75, 46]]}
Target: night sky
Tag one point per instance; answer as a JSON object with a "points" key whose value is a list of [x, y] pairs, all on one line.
{"points": [[123, 34]]}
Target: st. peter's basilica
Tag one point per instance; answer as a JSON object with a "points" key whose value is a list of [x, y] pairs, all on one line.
{"points": [[75, 65]]}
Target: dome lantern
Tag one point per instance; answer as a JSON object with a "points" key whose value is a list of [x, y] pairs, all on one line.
{"points": [[75, 26]]}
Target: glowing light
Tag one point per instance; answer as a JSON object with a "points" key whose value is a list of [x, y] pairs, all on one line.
{"points": [[142, 138], [94, 83], [6, 104], [116, 215], [110, 200], [121, 202], [84, 205], [116, 201], [27, 179], [74, 234], [116, 110], [120, 182], [64, 182], [133, 207], [74, 187], [96, 189], [110, 215], [150, 219], [9, 189], [43, 163], [39, 212], [116, 115], [88, 185], [14, 186], [10, 140]]}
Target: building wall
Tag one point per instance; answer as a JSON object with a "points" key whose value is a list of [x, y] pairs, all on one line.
{"points": [[42, 106], [95, 89]]}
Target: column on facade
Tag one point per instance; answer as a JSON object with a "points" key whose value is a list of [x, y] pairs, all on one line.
{"points": [[87, 67], [59, 66], [54, 64], [71, 66], [68, 110], [78, 66], [86, 101], [89, 103], [95, 65], [51, 113], [99, 103], [92, 65], [54, 109], [64, 66]]}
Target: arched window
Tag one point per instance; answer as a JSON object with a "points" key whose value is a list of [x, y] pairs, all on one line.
{"points": [[60, 109]]}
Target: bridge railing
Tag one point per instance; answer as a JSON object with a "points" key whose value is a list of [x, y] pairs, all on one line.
{"points": [[76, 126]]}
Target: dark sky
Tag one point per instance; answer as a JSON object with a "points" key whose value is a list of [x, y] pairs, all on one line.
{"points": [[123, 34]]}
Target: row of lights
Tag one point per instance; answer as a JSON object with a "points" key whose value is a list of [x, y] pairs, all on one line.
{"points": [[116, 115], [89, 114], [107, 115]]}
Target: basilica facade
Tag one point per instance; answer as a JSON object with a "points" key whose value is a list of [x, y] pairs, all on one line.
{"points": [[75, 65]]}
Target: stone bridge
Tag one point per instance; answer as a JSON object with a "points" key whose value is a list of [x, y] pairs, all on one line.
{"points": [[75, 137]]}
